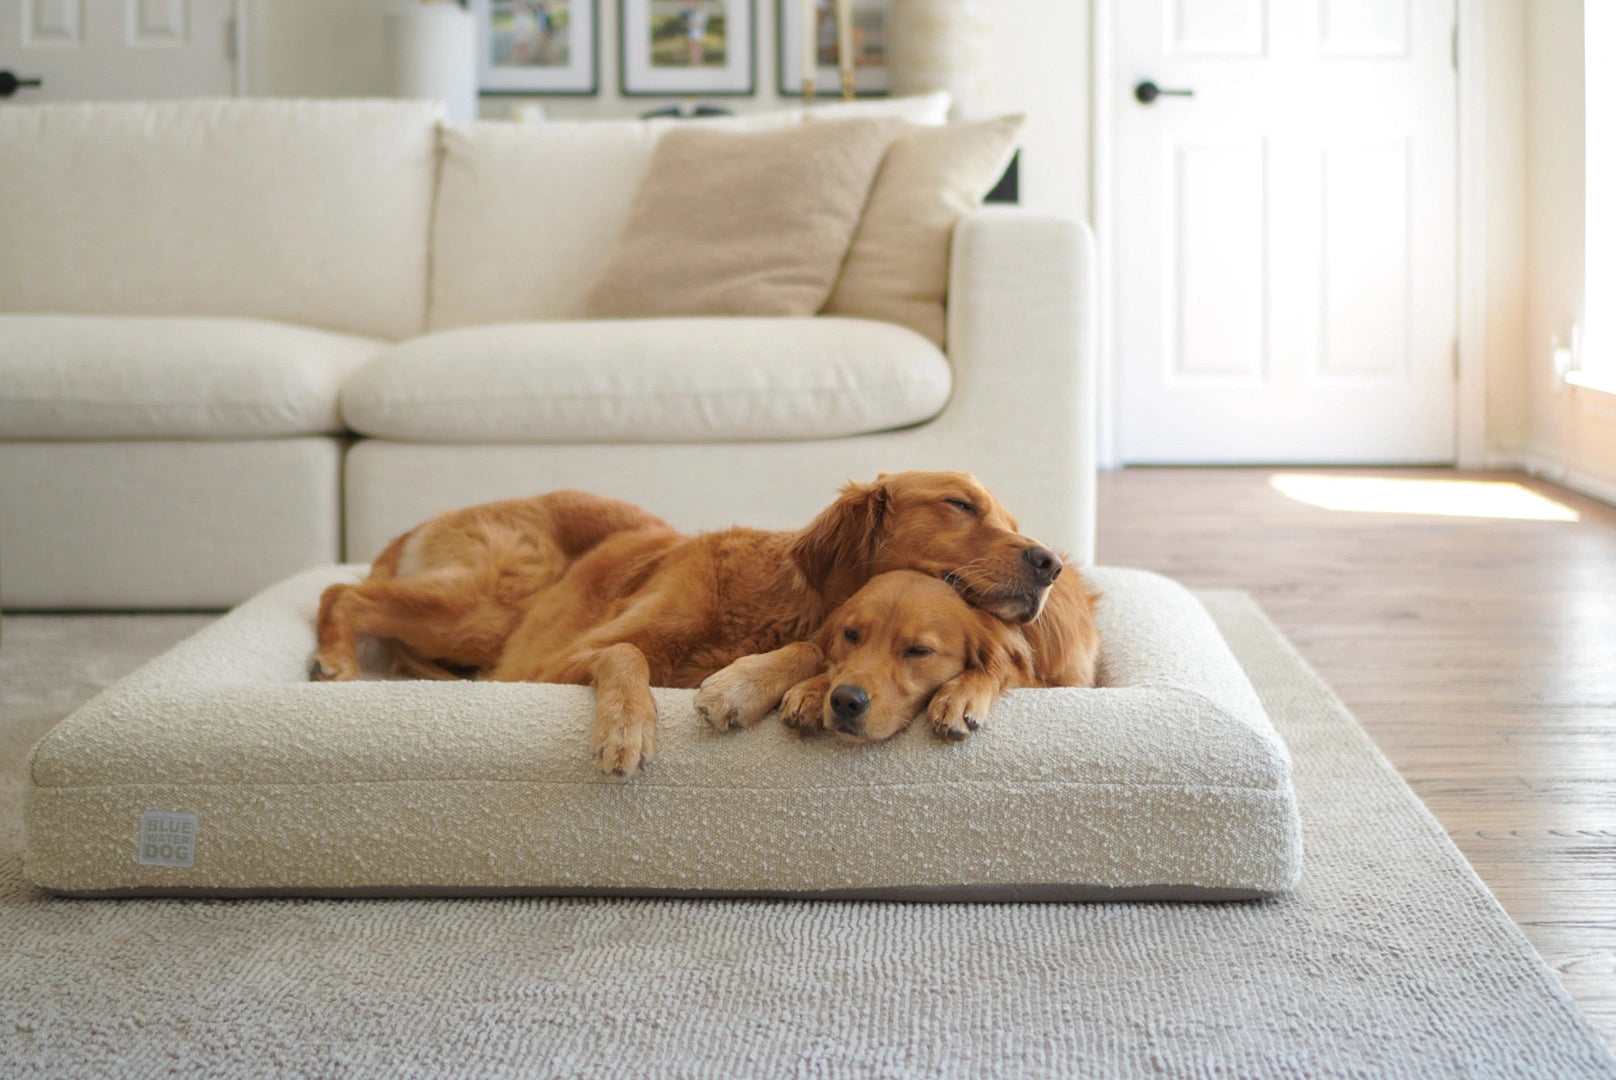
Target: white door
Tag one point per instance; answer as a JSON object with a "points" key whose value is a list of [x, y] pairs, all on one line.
{"points": [[1285, 237], [92, 49]]}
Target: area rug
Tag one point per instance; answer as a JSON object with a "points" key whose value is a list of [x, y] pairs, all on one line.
{"points": [[1391, 959]]}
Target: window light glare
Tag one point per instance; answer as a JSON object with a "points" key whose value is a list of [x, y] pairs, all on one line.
{"points": [[1400, 495]]}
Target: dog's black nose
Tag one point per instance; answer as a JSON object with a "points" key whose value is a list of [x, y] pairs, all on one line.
{"points": [[849, 703], [1045, 563]]}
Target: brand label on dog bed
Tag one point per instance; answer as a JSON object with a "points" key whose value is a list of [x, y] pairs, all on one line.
{"points": [[167, 839]]}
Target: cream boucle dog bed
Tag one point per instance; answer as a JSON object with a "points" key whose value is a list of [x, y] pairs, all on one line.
{"points": [[218, 768]]}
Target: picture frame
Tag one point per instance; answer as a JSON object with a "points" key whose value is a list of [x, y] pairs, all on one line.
{"points": [[687, 48], [871, 20], [537, 46]]}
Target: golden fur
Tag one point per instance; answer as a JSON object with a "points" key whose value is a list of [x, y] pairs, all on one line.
{"points": [[570, 587], [903, 645]]}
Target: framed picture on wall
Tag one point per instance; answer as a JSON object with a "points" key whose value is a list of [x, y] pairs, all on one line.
{"points": [[687, 47], [870, 21], [537, 46]]}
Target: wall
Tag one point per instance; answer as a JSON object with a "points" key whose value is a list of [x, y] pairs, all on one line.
{"points": [[316, 48], [1039, 51], [1570, 431], [1554, 195]]}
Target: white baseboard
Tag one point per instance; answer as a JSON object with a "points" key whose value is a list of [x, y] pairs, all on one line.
{"points": [[1541, 461], [1593, 486]]}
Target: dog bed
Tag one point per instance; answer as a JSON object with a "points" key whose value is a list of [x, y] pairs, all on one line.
{"points": [[219, 769]]}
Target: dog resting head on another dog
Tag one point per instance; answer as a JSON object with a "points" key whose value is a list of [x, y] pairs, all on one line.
{"points": [[571, 587], [926, 521], [948, 525]]}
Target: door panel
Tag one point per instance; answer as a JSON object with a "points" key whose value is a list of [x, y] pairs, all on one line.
{"points": [[1214, 194], [96, 49], [1285, 237], [1364, 291]]}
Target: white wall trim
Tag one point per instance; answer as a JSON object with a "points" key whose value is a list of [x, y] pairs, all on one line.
{"points": [[1549, 464], [1471, 198], [1589, 485], [1102, 214]]}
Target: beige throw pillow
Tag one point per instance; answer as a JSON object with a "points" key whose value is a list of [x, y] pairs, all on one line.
{"points": [[752, 223], [897, 268]]}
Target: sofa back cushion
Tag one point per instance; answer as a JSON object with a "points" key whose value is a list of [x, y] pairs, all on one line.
{"points": [[897, 267], [308, 212], [528, 213]]}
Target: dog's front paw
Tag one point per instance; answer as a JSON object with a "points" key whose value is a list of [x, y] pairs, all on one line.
{"points": [[732, 698], [625, 735], [803, 707], [954, 713], [329, 669], [624, 752]]}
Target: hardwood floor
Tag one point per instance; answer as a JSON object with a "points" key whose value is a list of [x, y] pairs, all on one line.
{"points": [[1479, 653]]}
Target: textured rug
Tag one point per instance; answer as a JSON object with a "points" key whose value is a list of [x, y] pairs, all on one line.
{"points": [[1391, 959]]}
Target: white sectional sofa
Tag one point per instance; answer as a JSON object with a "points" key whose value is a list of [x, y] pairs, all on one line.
{"points": [[241, 338]]}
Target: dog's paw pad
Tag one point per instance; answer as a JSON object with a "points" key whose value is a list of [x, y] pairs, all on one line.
{"points": [[719, 712], [619, 760], [951, 724], [802, 709], [626, 751], [320, 671]]}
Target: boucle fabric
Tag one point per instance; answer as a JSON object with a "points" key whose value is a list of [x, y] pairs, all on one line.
{"points": [[1391, 959], [1169, 780], [634, 381]]}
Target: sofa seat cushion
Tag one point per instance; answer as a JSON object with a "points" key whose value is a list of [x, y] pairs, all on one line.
{"points": [[649, 380], [219, 767], [135, 377]]}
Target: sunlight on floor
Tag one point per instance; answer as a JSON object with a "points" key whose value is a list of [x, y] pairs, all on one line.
{"points": [[1448, 498]]}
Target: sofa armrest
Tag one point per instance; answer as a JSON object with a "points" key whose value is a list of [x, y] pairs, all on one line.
{"points": [[1021, 340]]}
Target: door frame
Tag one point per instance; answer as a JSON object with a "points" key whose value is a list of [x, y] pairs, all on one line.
{"points": [[1470, 269]]}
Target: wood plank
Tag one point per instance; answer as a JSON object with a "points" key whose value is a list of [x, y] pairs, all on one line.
{"points": [[1479, 654]]}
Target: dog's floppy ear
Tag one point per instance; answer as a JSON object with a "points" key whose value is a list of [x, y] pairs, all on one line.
{"points": [[1001, 650], [844, 536]]}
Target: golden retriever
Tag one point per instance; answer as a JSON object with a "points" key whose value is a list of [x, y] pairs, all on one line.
{"points": [[570, 587], [903, 645]]}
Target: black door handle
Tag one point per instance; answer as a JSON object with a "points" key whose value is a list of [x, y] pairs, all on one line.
{"points": [[10, 82], [1147, 91]]}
